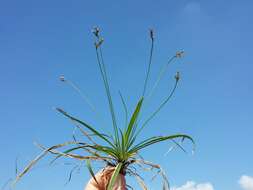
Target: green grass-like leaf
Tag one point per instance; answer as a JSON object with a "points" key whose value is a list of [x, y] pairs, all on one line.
{"points": [[85, 125], [132, 122], [88, 164], [114, 176], [154, 140]]}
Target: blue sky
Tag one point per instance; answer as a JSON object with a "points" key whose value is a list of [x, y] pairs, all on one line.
{"points": [[40, 40]]}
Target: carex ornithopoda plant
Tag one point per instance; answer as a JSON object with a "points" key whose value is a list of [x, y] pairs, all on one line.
{"points": [[121, 149]]}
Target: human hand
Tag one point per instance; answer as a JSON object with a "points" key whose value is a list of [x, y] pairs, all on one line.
{"points": [[103, 177]]}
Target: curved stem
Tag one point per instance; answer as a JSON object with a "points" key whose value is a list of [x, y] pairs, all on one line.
{"points": [[86, 99], [161, 74], [159, 108]]}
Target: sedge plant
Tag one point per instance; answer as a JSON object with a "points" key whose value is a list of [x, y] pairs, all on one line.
{"points": [[121, 149]]}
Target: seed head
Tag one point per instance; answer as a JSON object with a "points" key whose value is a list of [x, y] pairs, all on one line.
{"points": [[97, 44], [177, 76], [179, 54], [96, 31], [151, 33], [62, 78]]}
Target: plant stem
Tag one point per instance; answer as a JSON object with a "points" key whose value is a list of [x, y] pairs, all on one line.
{"points": [[161, 74], [159, 108], [105, 80], [149, 66], [86, 99]]}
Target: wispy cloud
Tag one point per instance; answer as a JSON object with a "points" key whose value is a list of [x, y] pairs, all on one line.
{"points": [[246, 182], [192, 7], [191, 185]]}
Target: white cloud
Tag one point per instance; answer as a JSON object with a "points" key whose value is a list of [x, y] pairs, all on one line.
{"points": [[246, 182], [191, 185], [192, 7]]}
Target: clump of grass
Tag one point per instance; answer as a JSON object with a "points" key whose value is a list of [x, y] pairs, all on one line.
{"points": [[121, 149]]}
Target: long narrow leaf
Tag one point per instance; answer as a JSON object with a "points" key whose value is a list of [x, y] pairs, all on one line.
{"points": [[141, 182], [91, 170], [114, 176], [155, 140], [133, 120], [75, 156], [122, 145], [125, 108], [39, 157], [71, 173], [85, 125], [85, 147]]}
